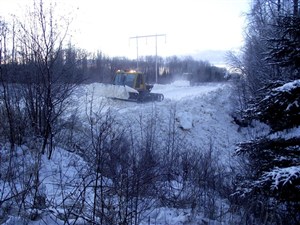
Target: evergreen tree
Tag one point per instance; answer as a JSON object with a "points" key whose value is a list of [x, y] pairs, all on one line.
{"points": [[271, 180]]}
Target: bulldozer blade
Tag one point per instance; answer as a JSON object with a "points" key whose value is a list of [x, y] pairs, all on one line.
{"points": [[117, 91]]}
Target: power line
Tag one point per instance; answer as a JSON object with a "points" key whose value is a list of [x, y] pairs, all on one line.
{"points": [[137, 49]]}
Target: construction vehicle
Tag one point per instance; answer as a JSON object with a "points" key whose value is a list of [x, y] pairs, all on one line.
{"points": [[130, 85]]}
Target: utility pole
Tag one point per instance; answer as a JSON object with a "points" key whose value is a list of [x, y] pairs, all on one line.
{"points": [[137, 50]]}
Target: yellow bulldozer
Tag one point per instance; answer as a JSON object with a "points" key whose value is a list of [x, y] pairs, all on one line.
{"points": [[131, 85]]}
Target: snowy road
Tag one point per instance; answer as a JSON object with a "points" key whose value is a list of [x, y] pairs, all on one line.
{"points": [[181, 90]]}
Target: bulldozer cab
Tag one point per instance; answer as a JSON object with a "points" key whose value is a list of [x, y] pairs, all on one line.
{"points": [[130, 78]]}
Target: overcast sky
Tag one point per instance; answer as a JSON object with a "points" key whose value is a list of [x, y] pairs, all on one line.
{"points": [[190, 25]]}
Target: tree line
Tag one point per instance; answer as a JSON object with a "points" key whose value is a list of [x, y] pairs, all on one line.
{"points": [[21, 42], [87, 67]]}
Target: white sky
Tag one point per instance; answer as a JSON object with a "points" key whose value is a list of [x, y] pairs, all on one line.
{"points": [[190, 25]]}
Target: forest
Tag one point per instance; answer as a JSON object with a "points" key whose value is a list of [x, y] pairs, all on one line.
{"points": [[117, 178]]}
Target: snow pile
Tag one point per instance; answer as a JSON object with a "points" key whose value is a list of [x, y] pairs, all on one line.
{"points": [[185, 120]]}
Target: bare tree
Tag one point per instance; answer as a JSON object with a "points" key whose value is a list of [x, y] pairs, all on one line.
{"points": [[45, 89]]}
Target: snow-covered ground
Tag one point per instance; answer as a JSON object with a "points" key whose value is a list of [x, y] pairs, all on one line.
{"points": [[203, 113], [202, 116]]}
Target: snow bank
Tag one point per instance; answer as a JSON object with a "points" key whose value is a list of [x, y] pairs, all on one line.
{"points": [[185, 120]]}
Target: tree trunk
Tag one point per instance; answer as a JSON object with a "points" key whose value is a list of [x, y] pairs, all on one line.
{"points": [[296, 8]]}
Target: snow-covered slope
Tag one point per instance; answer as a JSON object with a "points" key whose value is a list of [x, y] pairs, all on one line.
{"points": [[201, 115], [202, 112]]}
